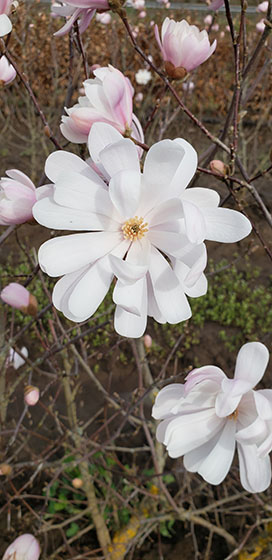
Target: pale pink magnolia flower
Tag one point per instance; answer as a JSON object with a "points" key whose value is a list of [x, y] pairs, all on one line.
{"points": [[216, 4], [25, 547], [108, 98], [19, 297], [7, 71], [208, 20], [104, 18], [263, 7], [81, 11], [15, 360], [260, 26], [142, 14], [31, 395], [5, 23], [136, 229], [183, 46], [147, 341], [215, 27], [17, 196], [205, 418]]}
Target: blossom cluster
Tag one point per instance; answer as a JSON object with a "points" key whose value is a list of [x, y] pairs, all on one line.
{"points": [[207, 416]]}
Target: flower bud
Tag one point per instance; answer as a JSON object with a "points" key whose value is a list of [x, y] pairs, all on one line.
{"points": [[5, 469], [217, 166], [7, 71], [25, 547], [77, 482], [19, 297], [32, 395], [147, 341]]}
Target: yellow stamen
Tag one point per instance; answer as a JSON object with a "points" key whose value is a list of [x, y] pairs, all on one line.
{"points": [[234, 415], [134, 228]]}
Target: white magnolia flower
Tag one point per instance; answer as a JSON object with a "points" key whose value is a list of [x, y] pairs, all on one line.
{"points": [[204, 418], [143, 76], [5, 23], [136, 230], [15, 360]]}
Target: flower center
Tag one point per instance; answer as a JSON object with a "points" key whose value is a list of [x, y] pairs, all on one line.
{"points": [[234, 415], [134, 228]]}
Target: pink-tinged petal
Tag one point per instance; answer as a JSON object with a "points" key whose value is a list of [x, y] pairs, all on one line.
{"points": [[68, 25], [71, 252], [25, 547], [70, 131], [216, 4], [125, 192], [195, 225], [216, 464], [225, 225], [251, 363], [263, 401], [137, 131], [204, 373], [118, 93], [131, 297], [91, 289], [83, 118], [168, 293], [255, 472], [85, 19], [20, 177], [15, 295], [167, 398]]}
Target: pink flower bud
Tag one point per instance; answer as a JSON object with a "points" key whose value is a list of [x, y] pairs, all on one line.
{"points": [[32, 395], [263, 7], [17, 196], [147, 341], [139, 97], [77, 482], [104, 18], [19, 297], [208, 19], [142, 14], [260, 26], [25, 547], [215, 27], [7, 72], [217, 166], [183, 47]]}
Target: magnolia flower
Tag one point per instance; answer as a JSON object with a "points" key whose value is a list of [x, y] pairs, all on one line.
{"points": [[81, 11], [31, 395], [108, 99], [143, 76], [205, 418], [104, 18], [263, 6], [17, 196], [25, 547], [7, 71], [131, 226], [183, 46], [208, 20], [260, 26], [19, 297], [5, 23], [216, 4], [15, 360]]}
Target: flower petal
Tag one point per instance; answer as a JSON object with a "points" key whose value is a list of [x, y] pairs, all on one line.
{"points": [[225, 225], [166, 399], [125, 191], [251, 362], [91, 289], [255, 472], [129, 324]]}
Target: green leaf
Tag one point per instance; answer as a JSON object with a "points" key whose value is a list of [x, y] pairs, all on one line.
{"points": [[72, 530]]}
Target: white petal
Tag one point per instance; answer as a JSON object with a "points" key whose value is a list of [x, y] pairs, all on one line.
{"points": [[125, 191], [195, 225], [166, 211], [76, 191], [201, 197], [69, 253], [131, 297], [215, 465], [166, 399], [225, 225], [127, 272], [263, 401], [128, 324], [168, 292], [120, 156], [100, 136], [5, 25], [62, 291], [255, 433], [255, 472], [61, 161], [175, 244], [50, 214], [91, 289], [251, 362]]}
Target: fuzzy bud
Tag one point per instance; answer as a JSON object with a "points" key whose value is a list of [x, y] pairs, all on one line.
{"points": [[32, 395], [147, 341], [18, 296], [5, 469], [77, 483], [217, 166]]}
